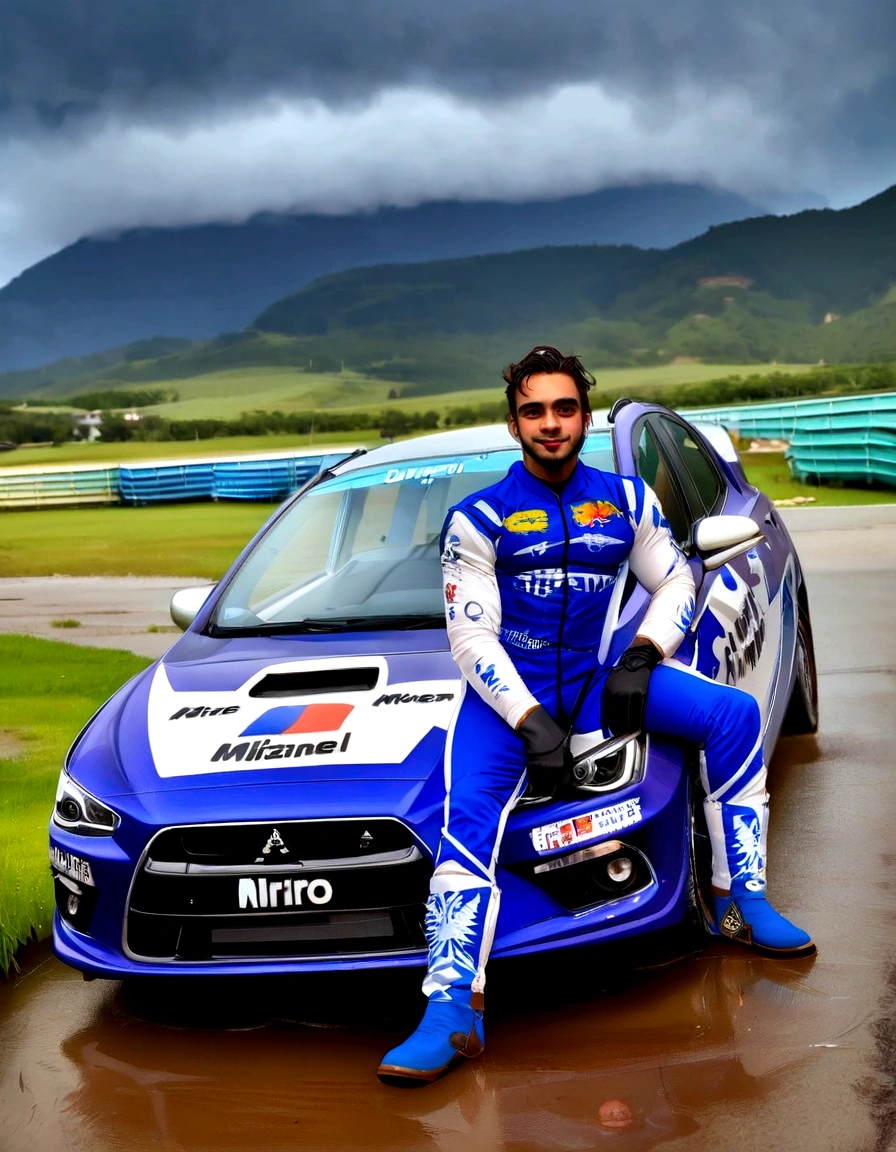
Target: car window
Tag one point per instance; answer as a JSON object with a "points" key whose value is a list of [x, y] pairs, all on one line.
{"points": [[364, 543], [654, 469], [701, 481]]}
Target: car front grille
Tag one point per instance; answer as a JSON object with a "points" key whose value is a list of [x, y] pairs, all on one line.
{"points": [[299, 888]]}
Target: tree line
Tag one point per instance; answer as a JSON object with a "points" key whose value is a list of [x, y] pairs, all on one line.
{"points": [[390, 423], [26, 425], [110, 398]]}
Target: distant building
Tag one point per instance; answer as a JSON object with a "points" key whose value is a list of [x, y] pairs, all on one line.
{"points": [[88, 425]]}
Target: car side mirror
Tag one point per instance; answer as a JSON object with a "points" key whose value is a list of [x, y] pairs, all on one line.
{"points": [[719, 539], [186, 603]]}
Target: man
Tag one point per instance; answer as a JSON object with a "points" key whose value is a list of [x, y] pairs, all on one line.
{"points": [[525, 626]]}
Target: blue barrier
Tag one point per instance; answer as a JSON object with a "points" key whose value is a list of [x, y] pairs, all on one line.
{"points": [[267, 479], [166, 482], [260, 478]]}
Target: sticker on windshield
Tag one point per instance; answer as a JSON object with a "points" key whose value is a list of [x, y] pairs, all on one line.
{"points": [[424, 474], [420, 472]]}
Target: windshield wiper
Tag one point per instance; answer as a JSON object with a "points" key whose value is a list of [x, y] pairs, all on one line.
{"points": [[400, 623]]}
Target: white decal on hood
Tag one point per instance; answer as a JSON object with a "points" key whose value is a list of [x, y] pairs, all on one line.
{"points": [[238, 732]]}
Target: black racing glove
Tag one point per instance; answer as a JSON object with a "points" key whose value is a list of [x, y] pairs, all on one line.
{"points": [[547, 756], [624, 699]]}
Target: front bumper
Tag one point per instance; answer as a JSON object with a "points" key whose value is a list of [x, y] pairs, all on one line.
{"points": [[535, 915]]}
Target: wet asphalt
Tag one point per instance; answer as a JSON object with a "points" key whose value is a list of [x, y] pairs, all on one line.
{"points": [[708, 1050]]}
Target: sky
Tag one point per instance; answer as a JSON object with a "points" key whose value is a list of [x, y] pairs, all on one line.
{"points": [[120, 113]]}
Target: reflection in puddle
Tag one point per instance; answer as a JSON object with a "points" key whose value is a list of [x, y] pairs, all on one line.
{"points": [[628, 1070]]}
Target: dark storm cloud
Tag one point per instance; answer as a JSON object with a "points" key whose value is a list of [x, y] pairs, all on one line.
{"points": [[63, 57], [117, 113]]}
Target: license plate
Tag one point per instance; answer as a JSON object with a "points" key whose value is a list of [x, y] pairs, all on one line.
{"points": [[72, 866]]}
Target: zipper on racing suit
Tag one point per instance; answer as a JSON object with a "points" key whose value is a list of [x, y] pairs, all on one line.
{"points": [[562, 719]]}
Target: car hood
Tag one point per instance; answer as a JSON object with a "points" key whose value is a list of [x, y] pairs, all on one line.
{"points": [[257, 711]]}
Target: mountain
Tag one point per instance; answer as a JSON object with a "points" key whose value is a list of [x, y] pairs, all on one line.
{"points": [[198, 282], [815, 285], [832, 261]]}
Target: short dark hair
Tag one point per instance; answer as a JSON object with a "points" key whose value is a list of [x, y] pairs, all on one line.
{"points": [[544, 358]]}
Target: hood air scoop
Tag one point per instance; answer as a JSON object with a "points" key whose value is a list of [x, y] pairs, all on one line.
{"points": [[315, 682]]}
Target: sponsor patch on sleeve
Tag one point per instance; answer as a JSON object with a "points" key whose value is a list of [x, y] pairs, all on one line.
{"points": [[587, 826]]}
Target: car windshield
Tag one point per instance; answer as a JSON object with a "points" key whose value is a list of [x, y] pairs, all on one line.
{"points": [[361, 550]]}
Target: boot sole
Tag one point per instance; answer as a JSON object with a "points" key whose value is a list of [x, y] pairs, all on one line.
{"points": [[398, 1077], [772, 953], [785, 953]]}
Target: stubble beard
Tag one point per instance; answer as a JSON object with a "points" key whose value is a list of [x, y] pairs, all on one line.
{"points": [[554, 463]]}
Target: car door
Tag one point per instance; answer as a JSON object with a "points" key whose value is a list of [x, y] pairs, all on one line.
{"points": [[736, 635]]}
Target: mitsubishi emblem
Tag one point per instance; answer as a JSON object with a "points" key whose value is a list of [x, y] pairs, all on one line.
{"points": [[275, 844], [366, 840]]}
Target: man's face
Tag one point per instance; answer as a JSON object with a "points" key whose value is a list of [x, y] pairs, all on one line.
{"points": [[550, 424]]}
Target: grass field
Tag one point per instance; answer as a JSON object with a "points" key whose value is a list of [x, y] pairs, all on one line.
{"points": [[769, 471], [130, 450], [227, 394], [48, 691], [173, 540]]}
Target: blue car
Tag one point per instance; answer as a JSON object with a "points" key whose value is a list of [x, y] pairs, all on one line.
{"points": [[268, 796]]}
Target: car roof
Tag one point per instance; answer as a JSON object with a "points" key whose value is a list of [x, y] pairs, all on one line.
{"points": [[456, 442]]}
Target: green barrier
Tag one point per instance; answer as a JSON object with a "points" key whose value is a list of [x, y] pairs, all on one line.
{"points": [[841, 439], [36, 487]]}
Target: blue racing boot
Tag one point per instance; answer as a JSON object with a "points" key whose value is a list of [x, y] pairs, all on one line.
{"points": [[459, 925], [447, 1032], [750, 919], [738, 833]]}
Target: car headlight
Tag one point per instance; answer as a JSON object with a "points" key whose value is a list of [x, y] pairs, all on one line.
{"points": [[78, 811], [608, 766]]}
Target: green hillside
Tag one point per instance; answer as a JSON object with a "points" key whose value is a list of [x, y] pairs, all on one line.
{"points": [[223, 395], [816, 286]]}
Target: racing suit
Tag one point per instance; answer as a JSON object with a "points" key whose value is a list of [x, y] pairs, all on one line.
{"points": [[534, 582]]}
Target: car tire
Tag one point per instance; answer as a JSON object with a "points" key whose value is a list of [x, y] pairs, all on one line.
{"points": [[801, 717], [699, 882]]}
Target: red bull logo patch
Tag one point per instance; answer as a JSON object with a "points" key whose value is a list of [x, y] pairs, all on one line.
{"points": [[594, 512], [532, 520]]}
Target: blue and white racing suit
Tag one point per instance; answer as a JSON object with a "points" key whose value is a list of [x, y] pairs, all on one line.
{"points": [[534, 580]]}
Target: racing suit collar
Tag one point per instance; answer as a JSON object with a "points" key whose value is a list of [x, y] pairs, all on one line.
{"points": [[538, 487]]}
